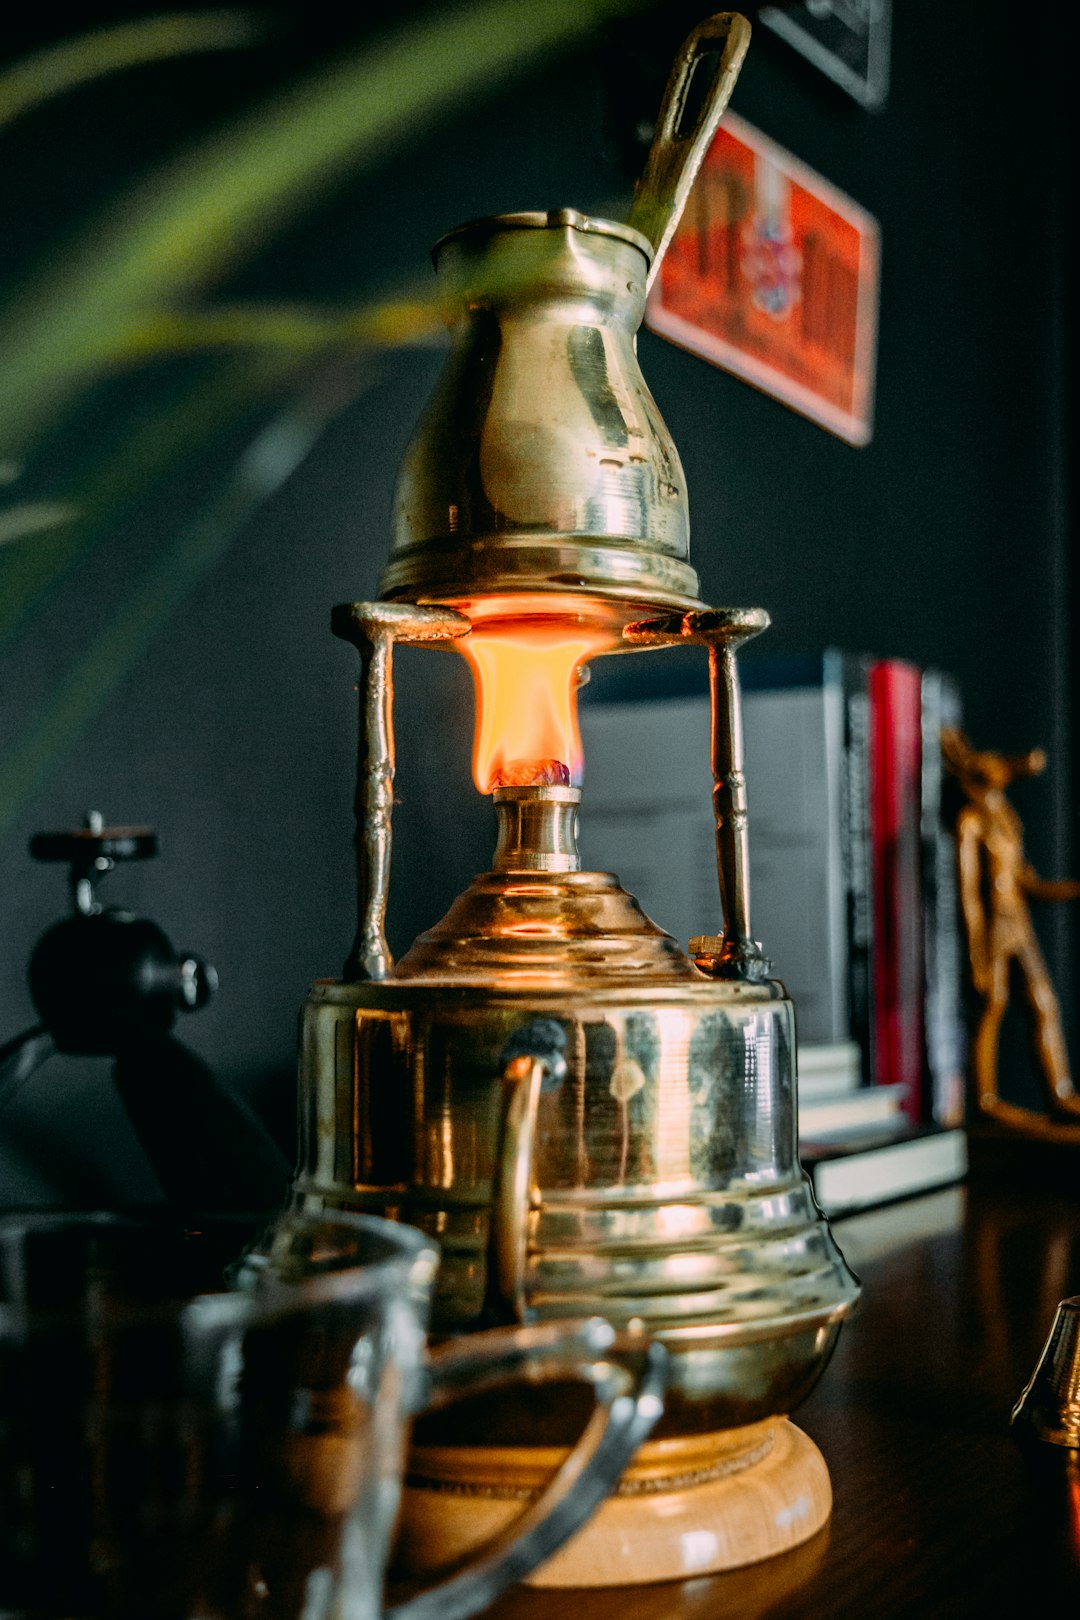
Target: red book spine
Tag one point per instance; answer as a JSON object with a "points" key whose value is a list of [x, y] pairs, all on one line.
{"points": [[895, 762]]}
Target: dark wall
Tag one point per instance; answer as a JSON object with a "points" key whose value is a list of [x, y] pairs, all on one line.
{"points": [[944, 541]]}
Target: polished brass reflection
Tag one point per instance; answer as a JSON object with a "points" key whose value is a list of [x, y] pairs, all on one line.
{"points": [[677, 153], [542, 462], [565, 930], [664, 1162], [373, 627], [586, 1120], [537, 829], [1050, 1405], [736, 954], [515, 1195]]}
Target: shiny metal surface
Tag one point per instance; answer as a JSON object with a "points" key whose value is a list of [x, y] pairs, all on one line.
{"points": [[677, 151], [735, 954], [587, 1121], [1050, 1405], [373, 627], [536, 1060], [667, 1182], [542, 462], [537, 829], [545, 930]]}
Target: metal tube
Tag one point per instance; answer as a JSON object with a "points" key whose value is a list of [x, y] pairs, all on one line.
{"points": [[735, 954], [373, 627], [537, 829], [738, 949], [370, 956]]}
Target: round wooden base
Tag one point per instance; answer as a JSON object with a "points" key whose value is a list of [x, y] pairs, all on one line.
{"points": [[684, 1508]]}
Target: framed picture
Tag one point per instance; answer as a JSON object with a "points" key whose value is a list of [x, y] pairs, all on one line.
{"points": [[773, 275], [846, 39]]}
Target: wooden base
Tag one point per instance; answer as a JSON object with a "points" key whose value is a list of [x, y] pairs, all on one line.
{"points": [[685, 1507]]}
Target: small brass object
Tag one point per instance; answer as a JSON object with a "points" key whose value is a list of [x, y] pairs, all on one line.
{"points": [[1050, 1405]]}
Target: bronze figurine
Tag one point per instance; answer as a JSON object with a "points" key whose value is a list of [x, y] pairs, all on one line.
{"points": [[996, 884]]}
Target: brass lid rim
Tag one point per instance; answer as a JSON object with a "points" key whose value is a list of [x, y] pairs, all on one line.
{"points": [[538, 219], [407, 581]]}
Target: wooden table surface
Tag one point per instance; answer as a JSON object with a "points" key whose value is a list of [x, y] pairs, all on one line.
{"points": [[937, 1511]]}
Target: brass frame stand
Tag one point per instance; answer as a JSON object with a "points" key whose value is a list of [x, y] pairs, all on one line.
{"points": [[589, 1120]]}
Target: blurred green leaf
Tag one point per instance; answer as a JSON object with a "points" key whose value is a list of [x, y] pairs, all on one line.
{"points": [[117, 298], [393, 323], [73, 62], [171, 433], [187, 225], [25, 518], [290, 340], [166, 584]]}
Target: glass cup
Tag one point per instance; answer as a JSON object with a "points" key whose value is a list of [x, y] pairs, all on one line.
{"points": [[188, 1436]]}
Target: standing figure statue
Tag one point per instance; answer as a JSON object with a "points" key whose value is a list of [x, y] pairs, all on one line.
{"points": [[996, 884]]}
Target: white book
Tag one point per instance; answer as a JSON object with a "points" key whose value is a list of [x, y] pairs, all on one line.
{"points": [[794, 743], [828, 1067], [646, 811], [647, 817], [838, 1113], [855, 1179], [833, 1056]]}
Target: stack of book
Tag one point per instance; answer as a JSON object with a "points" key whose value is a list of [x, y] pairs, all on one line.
{"points": [[855, 1141], [853, 884]]}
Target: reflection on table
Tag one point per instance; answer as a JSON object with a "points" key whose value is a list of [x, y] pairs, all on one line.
{"points": [[938, 1511]]}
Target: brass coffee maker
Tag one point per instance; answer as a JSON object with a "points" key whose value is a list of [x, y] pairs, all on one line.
{"points": [[586, 1118]]}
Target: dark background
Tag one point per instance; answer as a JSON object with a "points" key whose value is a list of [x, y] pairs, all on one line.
{"points": [[946, 541]]}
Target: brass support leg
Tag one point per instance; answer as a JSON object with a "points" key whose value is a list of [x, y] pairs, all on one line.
{"points": [[735, 954], [373, 627]]}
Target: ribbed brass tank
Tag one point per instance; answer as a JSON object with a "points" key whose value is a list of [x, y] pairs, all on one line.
{"points": [[663, 1149], [541, 462]]}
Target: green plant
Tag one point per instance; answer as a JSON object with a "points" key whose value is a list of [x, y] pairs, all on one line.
{"points": [[132, 291]]}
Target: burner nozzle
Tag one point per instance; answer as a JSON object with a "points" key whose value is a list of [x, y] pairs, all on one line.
{"points": [[537, 829]]}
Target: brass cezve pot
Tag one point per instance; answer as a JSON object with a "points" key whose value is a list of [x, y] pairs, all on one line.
{"points": [[542, 462]]}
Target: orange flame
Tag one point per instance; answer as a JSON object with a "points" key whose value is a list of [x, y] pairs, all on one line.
{"points": [[526, 679]]}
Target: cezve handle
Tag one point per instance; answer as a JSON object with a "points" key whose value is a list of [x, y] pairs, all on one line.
{"points": [[676, 153]]}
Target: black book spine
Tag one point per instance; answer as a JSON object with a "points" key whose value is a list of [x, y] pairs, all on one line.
{"points": [[857, 857]]}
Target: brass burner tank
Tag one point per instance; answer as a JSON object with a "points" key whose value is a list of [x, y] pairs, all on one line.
{"points": [[587, 1119]]}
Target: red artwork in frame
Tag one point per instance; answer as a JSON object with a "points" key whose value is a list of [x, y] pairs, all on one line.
{"points": [[773, 275]]}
